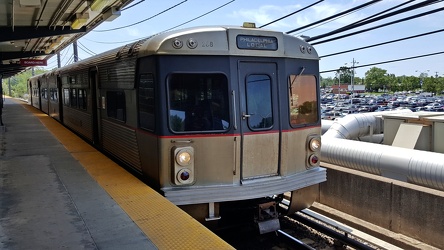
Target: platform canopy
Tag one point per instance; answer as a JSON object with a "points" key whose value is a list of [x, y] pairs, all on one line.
{"points": [[32, 31]]}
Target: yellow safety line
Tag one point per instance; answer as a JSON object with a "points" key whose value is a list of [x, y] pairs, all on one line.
{"points": [[167, 226]]}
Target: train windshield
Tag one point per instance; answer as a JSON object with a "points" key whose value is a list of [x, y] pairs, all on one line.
{"points": [[198, 102], [303, 100]]}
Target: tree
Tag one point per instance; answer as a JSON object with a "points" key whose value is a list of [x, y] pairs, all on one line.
{"points": [[345, 74], [18, 84], [375, 79]]}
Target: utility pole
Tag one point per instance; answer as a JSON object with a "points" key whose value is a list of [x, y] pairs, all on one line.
{"points": [[76, 54], [59, 63], [353, 78]]}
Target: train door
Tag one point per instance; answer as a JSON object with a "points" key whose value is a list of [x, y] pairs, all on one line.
{"points": [[260, 128], [59, 97], [95, 106]]}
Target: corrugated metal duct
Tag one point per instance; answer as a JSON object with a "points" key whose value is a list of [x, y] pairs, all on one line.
{"points": [[414, 166]]}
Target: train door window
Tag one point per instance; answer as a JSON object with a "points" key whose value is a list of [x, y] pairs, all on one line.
{"points": [[259, 106], [53, 94], [82, 99], [73, 98], [45, 93], [303, 100], [198, 102], [115, 105], [66, 97], [146, 101]]}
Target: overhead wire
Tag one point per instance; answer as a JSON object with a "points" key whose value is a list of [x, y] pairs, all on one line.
{"points": [[378, 26], [211, 11], [378, 18], [383, 43], [295, 12], [144, 20], [335, 16], [389, 61], [137, 39], [85, 49]]}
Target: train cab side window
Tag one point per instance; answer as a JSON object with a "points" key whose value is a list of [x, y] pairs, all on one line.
{"points": [[303, 100], [259, 105], [198, 102], [146, 101], [115, 105], [66, 97]]}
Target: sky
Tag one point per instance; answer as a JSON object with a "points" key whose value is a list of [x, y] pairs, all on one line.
{"points": [[190, 13]]}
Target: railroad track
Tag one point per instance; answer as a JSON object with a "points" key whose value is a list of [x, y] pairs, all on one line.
{"points": [[341, 234], [303, 230]]}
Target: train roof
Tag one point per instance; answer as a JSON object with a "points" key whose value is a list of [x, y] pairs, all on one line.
{"points": [[228, 40], [206, 40]]}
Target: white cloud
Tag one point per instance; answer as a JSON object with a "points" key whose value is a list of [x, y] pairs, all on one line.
{"points": [[133, 32]]}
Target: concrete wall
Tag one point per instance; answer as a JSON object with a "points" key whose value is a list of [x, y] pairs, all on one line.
{"points": [[403, 208]]}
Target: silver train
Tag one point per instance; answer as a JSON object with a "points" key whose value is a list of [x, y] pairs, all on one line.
{"points": [[211, 117]]}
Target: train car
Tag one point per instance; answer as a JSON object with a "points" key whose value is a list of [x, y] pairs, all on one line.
{"points": [[213, 118]]}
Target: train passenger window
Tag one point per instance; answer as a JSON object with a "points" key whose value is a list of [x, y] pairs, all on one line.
{"points": [[82, 99], [259, 106], [115, 105], [146, 101], [73, 98], [66, 97], [198, 102], [303, 100]]}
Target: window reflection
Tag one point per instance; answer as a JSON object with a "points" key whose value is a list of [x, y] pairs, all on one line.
{"points": [[259, 106], [303, 100]]}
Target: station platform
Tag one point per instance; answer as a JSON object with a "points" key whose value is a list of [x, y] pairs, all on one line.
{"points": [[57, 191]]}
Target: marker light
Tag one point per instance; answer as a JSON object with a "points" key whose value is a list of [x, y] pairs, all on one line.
{"points": [[315, 144], [183, 158], [313, 160], [183, 172]]}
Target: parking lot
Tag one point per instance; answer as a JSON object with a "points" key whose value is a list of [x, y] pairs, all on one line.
{"points": [[335, 106]]}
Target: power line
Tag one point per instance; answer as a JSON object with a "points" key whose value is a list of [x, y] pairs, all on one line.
{"points": [[309, 6], [151, 17], [379, 26], [128, 7], [390, 61], [135, 40], [384, 43], [83, 47], [335, 16], [374, 19], [211, 11]]}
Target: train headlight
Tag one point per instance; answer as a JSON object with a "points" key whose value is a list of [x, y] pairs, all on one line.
{"points": [[182, 165], [183, 158], [315, 144]]}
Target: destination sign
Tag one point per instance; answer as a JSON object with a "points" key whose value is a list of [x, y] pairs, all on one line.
{"points": [[257, 42], [32, 62]]}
